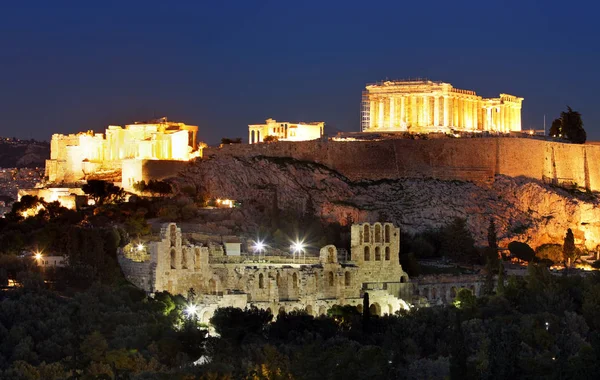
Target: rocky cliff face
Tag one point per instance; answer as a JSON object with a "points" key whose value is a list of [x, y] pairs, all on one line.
{"points": [[522, 209]]}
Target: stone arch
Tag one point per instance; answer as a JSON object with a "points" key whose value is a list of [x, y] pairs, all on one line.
{"points": [[387, 253], [173, 259], [309, 309], [377, 253], [366, 232], [453, 292], [212, 286], [403, 279], [433, 293], [330, 255], [347, 279], [322, 310], [330, 281], [173, 234], [367, 253], [197, 258], [472, 289], [269, 311], [281, 310], [261, 281], [295, 280], [375, 309], [377, 233], [184, 264], [386, 233], [204, 317], [359, 308], [417, 292], [426, 293]]}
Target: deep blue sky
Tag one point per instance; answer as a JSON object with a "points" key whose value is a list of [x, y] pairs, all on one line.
{"points": [[73, 66]]}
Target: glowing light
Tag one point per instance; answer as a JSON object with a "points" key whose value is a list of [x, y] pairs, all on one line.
{"points": [[259, 246], [38, 255], [140, 247], [297, 246], [191, 310]]}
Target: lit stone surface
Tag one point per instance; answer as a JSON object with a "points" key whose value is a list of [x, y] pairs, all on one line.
{"points": [[276, 283], [75, 157], [422, 106], [285, 131]]}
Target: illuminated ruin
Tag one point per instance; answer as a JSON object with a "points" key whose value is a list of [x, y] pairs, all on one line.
{"points": [[422, 106], [285, 131], [78, 157]]}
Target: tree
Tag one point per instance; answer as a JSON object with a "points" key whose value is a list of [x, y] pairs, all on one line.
{"points": [[500, 286], [492, 236], [522, 251], [366, 313], [569, 251], [569, 126], [457, 242], [103, 192]]}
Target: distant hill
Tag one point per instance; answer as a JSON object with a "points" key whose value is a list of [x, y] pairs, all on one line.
{"points": [[15, 153]]}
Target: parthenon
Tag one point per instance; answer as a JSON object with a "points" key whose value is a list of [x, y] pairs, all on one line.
{"points": [[423, 106]]}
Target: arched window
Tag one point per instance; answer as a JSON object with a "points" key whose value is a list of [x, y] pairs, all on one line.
{"points": [[173, 233], [403, 279], [261, 281], [387, 233], [184, 259], [377, 233], [295, 280], [453, 292], [367, 253], [387, 253], [173, 259], [433, 293], [377, 253], [197, 258], [330, 278], [347, 278], [366, 231]]}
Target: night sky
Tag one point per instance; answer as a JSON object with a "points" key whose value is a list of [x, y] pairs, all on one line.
{"points": [[71, 66]]}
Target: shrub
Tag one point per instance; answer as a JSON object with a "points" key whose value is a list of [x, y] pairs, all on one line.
{"points": [[522, 251]]}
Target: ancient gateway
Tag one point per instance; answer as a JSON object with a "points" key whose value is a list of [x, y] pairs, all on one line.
{"points": [[277, 283], [422, 106]]}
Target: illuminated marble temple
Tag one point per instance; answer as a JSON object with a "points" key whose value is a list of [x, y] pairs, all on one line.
{"points": [[285, 131], [75, 157], [422, 106]]}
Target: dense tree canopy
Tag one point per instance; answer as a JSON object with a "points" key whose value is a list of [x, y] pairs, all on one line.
{"points": [[569, 126]]}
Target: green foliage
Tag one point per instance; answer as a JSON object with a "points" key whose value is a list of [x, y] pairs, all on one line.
{"points": [[103, 192], [522, 251], [236, 324], [569, 251], [410, 264], [569, 126], [458, 243], [552, 252]]}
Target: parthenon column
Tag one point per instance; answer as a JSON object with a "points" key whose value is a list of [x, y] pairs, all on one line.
{"points": [[475, 111], [455, 112], [392, 117], [380, 120], [461, 113], [436, 111], [402, 112], [425, 110], [489, 119], [414, 118], [503, 119], [445, 111]]}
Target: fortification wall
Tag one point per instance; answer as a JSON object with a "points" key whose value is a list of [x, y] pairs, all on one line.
{"points": [[467, 159]]}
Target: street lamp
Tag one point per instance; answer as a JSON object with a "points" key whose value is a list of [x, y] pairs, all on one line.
{"points": [[191, 310], [140, 247], [297, 248], [38, 255], [259, 247]]}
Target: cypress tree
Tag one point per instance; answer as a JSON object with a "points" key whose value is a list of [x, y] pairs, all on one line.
{"points": [[366, 313]]}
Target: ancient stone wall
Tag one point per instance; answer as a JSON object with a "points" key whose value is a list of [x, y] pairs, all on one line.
{"points": [[466, 159]]}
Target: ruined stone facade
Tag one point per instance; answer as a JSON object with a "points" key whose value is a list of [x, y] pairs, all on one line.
{"points": [[285, 131], [313, 284], [76, 157], [423, 106]]}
